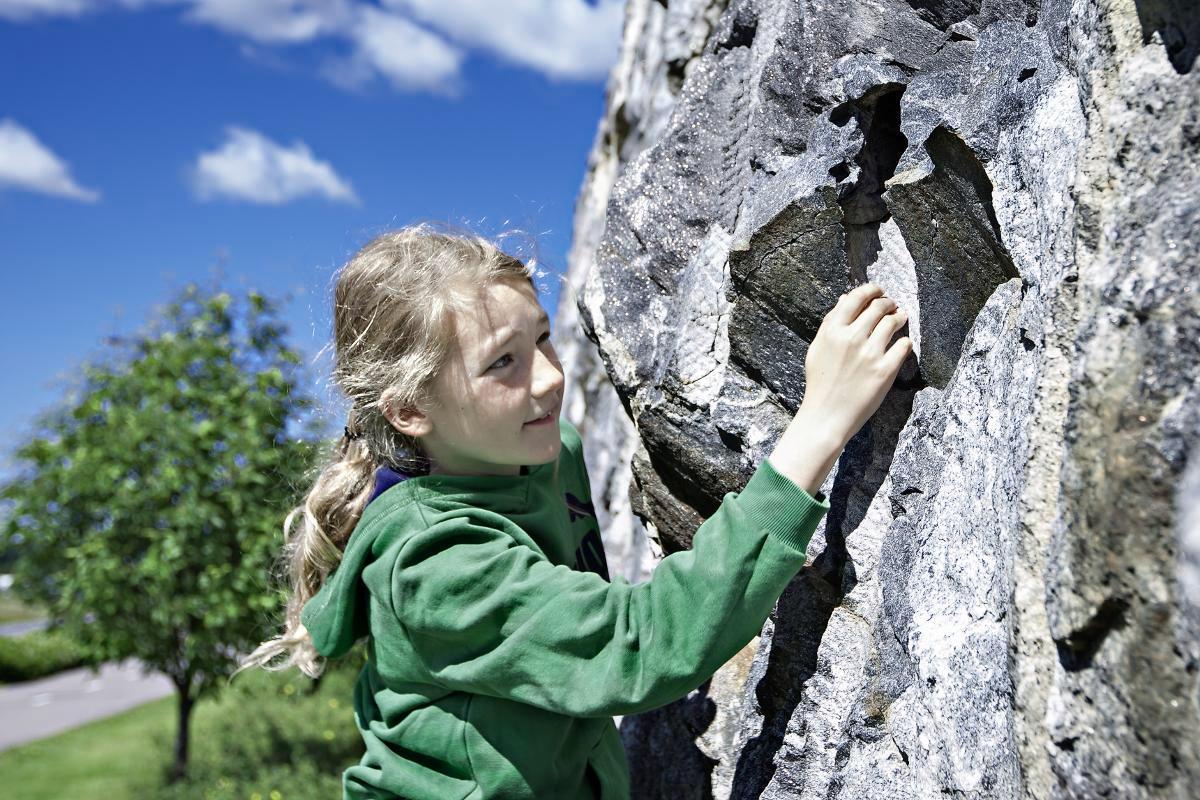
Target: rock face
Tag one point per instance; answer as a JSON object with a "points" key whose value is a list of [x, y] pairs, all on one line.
{"points": [[1002, 601]]}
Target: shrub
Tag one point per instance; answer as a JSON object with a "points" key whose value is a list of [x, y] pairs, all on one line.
{"points": [[278, 735], [291, 782], [37, 654]]}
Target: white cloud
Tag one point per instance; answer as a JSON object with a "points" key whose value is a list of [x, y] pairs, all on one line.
{"points": [[26, 163], [562, 38], [274, 21], [267, 21], [249, 166], [21, 10], [408, 56]]}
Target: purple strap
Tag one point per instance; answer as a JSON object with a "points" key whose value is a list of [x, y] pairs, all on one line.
{"points": [[386, 478]]}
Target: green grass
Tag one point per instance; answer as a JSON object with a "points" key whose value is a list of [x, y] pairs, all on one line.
{"points": [[266, 734], [12, 609], [107, 758]]}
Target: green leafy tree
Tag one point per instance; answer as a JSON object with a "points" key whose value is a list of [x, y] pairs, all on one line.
{"points": [[147, 513]]}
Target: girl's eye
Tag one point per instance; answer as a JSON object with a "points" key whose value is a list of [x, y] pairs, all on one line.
{"points": [[500, 363]]}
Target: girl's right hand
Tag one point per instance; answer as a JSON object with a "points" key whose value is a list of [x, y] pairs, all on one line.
{"points": [[849, 367]]}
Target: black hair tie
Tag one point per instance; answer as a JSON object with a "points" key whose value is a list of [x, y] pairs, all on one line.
{"points": [[349, 435]]}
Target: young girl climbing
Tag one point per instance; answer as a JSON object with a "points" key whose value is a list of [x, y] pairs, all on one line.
{"points": [[453, 527]]}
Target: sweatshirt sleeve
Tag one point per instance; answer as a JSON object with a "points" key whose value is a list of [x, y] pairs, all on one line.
{"points": [[489, 615]]}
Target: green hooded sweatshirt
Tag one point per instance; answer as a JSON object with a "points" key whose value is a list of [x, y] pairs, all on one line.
{"points": [[499, 650]]}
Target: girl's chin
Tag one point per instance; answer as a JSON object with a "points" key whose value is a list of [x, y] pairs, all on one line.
{"points": [[546, 454]]}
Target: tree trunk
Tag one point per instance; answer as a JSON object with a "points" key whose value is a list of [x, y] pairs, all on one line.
{"points": [[186, 701]]}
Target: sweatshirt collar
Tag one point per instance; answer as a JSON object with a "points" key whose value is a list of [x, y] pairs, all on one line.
{"points": [[386, 477]]}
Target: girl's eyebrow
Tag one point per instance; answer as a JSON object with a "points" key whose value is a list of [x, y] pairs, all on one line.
{"points": [[509, 333]]}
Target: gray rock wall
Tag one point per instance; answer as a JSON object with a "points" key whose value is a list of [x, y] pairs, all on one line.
{"points": [[1002, 600]]}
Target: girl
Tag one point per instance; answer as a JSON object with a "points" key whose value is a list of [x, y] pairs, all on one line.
{"points": [[453, 528]]}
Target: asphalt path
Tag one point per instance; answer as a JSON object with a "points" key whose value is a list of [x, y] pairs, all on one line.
{"points": [[20, 628], [36, 709]]}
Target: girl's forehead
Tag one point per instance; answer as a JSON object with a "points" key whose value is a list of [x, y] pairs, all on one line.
{"points": [[503, 291], [494, 310]]}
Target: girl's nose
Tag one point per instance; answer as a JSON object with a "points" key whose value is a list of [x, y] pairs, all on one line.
{"points": [[547, 375]]}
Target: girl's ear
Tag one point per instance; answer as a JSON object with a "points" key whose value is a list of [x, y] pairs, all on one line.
{"points": [[410, 421]]}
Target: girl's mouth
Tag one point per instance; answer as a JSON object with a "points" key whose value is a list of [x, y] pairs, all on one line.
{"points": [[544, 420]]}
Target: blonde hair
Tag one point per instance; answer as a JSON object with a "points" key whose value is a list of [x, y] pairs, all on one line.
{"points": [[393, 332]]}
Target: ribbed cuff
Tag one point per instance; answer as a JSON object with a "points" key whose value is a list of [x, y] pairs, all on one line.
{"points": [[781, 506]]}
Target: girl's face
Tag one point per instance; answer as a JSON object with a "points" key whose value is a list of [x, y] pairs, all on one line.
{"points": [[502, 375]]}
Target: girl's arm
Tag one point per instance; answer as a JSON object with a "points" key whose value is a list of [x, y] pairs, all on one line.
{"points": [[489, 615]]}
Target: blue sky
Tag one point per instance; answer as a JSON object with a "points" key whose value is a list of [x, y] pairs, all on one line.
{"points": [[145, 142]]}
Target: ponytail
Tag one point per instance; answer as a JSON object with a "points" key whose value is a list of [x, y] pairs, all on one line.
{"points": [[315, 535], [393, 313]]}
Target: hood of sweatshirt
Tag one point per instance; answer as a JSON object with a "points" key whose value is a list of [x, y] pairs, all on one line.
{"points": [[336, 616]]}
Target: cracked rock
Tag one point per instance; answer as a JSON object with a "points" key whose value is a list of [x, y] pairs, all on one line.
{"points": [[1002, 601]]}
